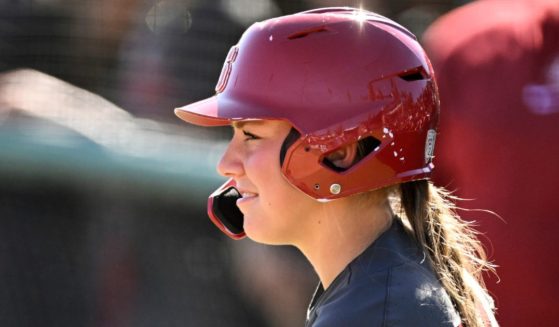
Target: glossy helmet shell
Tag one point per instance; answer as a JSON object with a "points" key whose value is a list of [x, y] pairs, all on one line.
{"points": [[338, 75]]}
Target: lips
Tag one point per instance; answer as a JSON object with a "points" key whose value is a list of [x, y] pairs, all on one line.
{"points": [[245, 193], [246, 196]]}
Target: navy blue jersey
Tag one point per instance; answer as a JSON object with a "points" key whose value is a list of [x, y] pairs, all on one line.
{"points": [[390, 284]]}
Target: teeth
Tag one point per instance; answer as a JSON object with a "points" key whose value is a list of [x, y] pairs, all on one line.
{"points": [[248, 195]]}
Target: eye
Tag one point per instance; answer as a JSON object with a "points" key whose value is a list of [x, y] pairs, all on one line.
{"points": [[249, 136]]}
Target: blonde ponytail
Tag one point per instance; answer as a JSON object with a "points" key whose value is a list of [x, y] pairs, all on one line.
{"points": [[452, 247]]}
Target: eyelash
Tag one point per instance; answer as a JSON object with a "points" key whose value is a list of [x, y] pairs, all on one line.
{"points": [[250, 136]]}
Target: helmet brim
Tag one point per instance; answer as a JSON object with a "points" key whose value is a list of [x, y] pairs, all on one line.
{"points": [[202, 113]]}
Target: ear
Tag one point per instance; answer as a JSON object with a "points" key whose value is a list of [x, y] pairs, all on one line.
{"points": [[344, 156]]}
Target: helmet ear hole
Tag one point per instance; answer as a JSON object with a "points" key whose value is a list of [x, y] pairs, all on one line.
{"points": [[364, 147]]}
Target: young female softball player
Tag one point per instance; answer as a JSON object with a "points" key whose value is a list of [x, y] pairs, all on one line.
{"points": [[334, 113]]}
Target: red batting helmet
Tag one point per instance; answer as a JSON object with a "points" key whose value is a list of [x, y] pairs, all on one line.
{"points": [[338, 75]]}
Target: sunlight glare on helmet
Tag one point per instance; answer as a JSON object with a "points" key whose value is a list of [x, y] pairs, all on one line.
{"points": [[360, 16]]}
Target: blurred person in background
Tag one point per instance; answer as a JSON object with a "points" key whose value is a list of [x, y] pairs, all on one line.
{"points": [[332, 148], [497, 64]]}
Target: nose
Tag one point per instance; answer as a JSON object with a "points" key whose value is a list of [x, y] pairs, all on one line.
{"points": [[230, 165]]}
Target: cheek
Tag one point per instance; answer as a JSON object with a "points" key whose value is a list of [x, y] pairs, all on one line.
{"points": [[264, 172], [263, 168], [280, 211], [278, 216], [282, 201]]}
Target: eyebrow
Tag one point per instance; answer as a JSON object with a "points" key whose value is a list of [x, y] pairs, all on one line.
{"points": [[241, 123]]}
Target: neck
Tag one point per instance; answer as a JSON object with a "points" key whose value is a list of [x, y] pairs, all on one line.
{"points": [[338, 235]]}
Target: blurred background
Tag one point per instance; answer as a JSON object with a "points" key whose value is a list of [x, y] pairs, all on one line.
{"points": [[103, 190]]}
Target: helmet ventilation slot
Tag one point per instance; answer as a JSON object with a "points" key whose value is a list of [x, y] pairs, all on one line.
{"points": [[302, 34], [416, 74]]}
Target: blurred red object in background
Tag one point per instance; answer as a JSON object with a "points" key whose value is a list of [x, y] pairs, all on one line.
{"points": [[497, 64]]}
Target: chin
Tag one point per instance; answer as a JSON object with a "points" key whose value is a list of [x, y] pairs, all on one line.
{"points": [[264, 235]]}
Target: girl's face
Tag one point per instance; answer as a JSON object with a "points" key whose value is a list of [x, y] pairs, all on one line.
{"points": [[274, 211]]}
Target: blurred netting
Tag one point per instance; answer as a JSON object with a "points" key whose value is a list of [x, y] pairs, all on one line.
{"points": [[102, 211], [151, 56]]}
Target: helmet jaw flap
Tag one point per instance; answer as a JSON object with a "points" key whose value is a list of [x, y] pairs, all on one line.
{"points": [[399, 154]]}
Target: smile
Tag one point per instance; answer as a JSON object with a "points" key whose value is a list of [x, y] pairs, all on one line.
{"points": [[246, 197]]}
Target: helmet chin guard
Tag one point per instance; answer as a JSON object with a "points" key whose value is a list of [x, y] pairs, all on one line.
{"points": [[223, 210], [338, 75]]}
